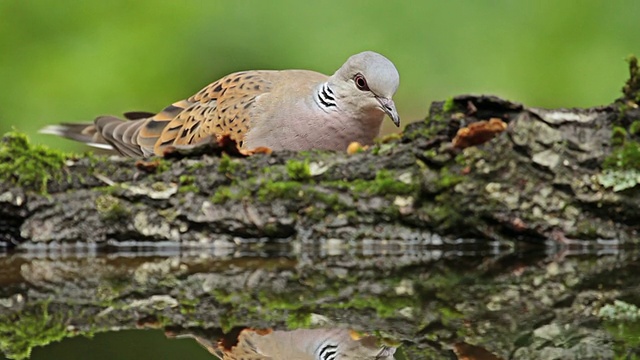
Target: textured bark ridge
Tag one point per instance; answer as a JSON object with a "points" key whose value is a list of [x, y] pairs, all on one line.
{"points": [[564, 175]]}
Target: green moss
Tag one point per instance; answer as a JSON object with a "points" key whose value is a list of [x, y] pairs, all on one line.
{"points": [[622, 166], [631, 89], [299, 320], [626, 156], [221, 195], [271, 305], [188, 305], [463, 160], [443, 213], [279, 301], [384, 149], [298, 170], [448, 315], [436, 123], [223, 296], [318, 198], [227, 165], [310, 195], [385, 306], [393, 137], [271, 229], [27, 165], [192, 188], [586, 229], [448, 105], [439, 119], [269, 190], [110, 207], [448, 179], [622, 321], [331, 200], [618, 135], [187, 179], [112, 289], [430, 153], [634, 128], [114, 189], [187, 184], [384, 184], [170, 214], [225, 193], [626, 336], [162, 165], [24, 330], [267, 170], [196, 165], [279, 190]]}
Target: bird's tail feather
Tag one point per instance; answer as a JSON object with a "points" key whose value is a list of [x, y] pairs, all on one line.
{"points": [[83, 132]]}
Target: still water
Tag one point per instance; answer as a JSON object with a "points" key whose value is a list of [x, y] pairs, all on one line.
{"points": [[393, 303]]}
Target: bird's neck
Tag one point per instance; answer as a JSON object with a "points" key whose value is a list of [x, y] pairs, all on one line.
{"points": [[346, 121], [325, 98]]}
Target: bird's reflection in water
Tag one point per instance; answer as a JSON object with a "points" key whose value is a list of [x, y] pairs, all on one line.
{"points": [[301, 344]]}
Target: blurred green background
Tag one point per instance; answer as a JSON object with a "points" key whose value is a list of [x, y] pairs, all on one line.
{"points": [[74, 60]]}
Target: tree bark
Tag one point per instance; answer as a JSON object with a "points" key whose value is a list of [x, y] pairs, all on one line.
{"points": [[430, 302], [563, 175]]}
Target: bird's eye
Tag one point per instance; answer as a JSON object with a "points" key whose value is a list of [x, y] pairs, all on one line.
{"points": [[361, 82]]}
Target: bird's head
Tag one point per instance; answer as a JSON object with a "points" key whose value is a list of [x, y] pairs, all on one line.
{"points": [[369, 80]]}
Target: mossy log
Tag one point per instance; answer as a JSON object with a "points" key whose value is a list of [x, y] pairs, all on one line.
{"points": [[565, 175]]}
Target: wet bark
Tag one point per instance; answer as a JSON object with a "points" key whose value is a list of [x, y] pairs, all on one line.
{"points": [[563, 175], [428, 303]]}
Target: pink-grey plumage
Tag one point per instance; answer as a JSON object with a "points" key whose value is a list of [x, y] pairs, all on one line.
{"points": [[287, 109]]}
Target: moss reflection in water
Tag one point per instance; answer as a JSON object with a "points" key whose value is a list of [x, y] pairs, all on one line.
{"points": [[123, 345], [28, 329], [623, 323]]}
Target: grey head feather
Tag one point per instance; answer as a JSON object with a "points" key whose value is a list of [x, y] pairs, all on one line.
{"points": [[381, 75], [367, 82]]}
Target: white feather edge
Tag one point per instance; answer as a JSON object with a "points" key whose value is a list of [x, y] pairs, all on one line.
{"points": [[60, 130]]}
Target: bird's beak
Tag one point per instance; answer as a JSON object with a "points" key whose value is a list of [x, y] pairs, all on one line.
{"points": [[389, 108]]}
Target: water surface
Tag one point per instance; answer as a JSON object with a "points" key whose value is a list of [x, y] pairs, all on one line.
{"points": [[463, 302]]}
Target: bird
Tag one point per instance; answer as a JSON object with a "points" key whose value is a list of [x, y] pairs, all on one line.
{"points": [[275, 109], [299, 344]]}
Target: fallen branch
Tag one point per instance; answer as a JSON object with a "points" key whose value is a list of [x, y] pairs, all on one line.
{"points": [[566, 175]]}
